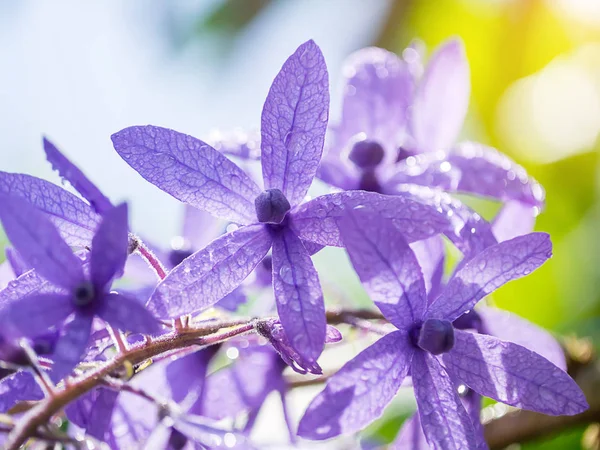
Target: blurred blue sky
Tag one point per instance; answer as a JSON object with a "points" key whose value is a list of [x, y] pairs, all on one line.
{"points": [[79, 71]]}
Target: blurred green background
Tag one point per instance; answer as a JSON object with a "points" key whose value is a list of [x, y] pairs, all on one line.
{"points": [[80, 73]]}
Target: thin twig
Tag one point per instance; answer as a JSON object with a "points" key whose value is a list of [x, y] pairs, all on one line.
{"points": [[155, 264], [204, 334]]}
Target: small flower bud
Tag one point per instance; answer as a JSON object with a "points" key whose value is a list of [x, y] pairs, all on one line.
{"points": [[366, 154], [436, 336], [271, 206]]}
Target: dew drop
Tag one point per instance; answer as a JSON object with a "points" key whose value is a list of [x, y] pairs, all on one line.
{"points": [[229, 440], [323, 429], [232, 353]]}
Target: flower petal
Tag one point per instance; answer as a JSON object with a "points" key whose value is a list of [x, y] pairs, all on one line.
{"points": [[38, 242], [377, 94], [127, 313], [513, 375], [293, 123], [410, 436], [74, 219], [298, 296], [445, 422], [70, 172], [431, 255], [490, 269], [511, 327], [244, 385], [19, 267], [199, 227], [109, 246], [514, 219], [467, 230], [471, 168], [33, 314], [316, 220], [190, 170], [358, 393], [386, 266], [71, 346], [211, 273], [18, 387], [442, 99], [93, 412]]}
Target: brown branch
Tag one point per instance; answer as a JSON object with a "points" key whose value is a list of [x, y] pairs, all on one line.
{"points": [[204, 334]]}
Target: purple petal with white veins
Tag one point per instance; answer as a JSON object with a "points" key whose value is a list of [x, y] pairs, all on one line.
{"points": [[445, 422], [358, 393], [18, 387], [30, 283], [93, 412], [490, 269], [207, 433], [38, 242], [441, 99], [298, 295], [467, 230], [471, 168], [211, 273], [410, 436], [127, 313], [190, 170], [511, 327], [186, 376], [33, 314], [386, 266], [377, 94], [109, 247], [514, 219], [431, 256], [293, 123], [316, 220], [75, 220], [199, 227], [513, 375], [71, 346], [70, 172]]}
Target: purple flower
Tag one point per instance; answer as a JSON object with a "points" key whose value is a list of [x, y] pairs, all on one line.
{"points": [[504, 371], [294, 120], [78, 293], [71, 173], [397, 128]]}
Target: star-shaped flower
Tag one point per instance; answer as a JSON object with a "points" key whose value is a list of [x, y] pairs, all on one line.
{"points": [[77, 291], [397, 128], [294, 121], [504, 371]]}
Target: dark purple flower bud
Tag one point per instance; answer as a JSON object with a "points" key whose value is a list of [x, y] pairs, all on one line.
{"points": [[366, 154], [273, 331], [271, 206], [83, 294], [469, 321], [45, 343], [436, 336]]}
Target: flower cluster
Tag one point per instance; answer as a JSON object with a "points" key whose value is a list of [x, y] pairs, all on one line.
{"points": [[164, 360]]}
